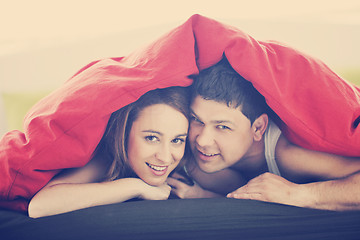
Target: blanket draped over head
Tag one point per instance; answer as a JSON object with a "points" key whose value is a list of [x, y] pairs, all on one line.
{"points": [[319, 110]]}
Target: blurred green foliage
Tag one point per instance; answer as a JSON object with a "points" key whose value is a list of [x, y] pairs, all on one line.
{"points": [[351, 75], [17, 105]]}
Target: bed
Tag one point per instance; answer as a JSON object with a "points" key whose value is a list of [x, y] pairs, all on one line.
{"points": [[185, 219], [63, 129]]}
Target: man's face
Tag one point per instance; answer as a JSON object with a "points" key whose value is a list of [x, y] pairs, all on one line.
{"points": [[219, 135]]}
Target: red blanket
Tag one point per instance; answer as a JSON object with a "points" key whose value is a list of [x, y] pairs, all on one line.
{"points": [[319, 109]]}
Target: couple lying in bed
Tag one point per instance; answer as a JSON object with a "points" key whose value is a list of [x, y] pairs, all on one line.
{"points": [[220, 130]]}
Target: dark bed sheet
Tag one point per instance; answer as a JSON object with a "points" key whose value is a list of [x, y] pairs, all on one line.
{"points": [[185, 219]]}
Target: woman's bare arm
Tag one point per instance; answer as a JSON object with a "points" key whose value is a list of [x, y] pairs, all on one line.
{"points": [[75, 189]]}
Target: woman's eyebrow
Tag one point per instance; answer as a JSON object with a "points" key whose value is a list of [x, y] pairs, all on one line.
{"points": [[182, 135], [152, 131], [161, 134]]}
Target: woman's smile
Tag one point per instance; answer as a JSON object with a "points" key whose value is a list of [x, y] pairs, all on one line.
{"points": [[157, 170]]}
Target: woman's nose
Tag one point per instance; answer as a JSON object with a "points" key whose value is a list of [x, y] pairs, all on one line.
{"points": [[164, 154]]}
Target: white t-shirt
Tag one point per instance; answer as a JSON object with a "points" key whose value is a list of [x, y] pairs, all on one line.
{"points": [[271, 138]]}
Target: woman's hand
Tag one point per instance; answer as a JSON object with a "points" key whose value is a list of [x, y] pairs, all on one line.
{"points": [[149, 192]]}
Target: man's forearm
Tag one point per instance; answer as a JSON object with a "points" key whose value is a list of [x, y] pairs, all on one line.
{"points": [[340, 195]]}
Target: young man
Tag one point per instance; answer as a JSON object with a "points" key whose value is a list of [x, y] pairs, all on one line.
{"points": [[239, 152]]}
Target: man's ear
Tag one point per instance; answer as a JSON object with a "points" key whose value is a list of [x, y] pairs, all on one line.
{"points": [[259, 126]]}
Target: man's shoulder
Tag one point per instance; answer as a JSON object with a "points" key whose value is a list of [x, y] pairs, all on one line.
{"points": [[284, 148]]}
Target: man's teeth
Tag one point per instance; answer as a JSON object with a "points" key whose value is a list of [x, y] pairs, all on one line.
{"points": [[157, 168], [208, 155]]}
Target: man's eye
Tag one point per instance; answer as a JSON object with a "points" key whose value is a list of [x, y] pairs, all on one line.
{"points": [[223, 127], [192, 118], [195, 119], [151, 138]]}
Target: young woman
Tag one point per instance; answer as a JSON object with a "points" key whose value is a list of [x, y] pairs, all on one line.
{"points": [[143, 143]]}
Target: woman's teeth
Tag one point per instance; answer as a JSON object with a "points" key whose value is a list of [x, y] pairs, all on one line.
{"points": [[156, 168]]}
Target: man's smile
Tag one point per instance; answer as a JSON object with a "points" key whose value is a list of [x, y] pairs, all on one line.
{"points": [[205, 156]]}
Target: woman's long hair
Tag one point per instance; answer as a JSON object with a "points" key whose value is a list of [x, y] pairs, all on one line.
{"points": [[113, 146]]}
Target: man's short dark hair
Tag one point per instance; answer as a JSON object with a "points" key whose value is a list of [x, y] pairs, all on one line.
{"points": [[223, 84]]}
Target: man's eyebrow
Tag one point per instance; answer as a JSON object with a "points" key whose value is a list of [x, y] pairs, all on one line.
{"points": [[192, 112], [213, 121], [223, 121]]}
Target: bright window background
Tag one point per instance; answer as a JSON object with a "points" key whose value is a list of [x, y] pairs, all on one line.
{"points": [[43, 42]]}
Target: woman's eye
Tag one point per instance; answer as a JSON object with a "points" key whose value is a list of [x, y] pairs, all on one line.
{"points": [[178, 140], [151, 138]]}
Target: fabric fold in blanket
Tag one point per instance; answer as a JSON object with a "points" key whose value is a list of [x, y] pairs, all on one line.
{"points": [[318, 109]]}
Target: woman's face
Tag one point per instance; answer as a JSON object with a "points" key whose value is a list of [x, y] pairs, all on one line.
{"points": [[156, 143]]}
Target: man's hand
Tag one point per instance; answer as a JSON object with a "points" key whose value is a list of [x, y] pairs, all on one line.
{"points": [[183, 190], [269, 187]]}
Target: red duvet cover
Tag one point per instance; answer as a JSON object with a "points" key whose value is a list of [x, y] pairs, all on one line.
{"points": [[319, 110]]}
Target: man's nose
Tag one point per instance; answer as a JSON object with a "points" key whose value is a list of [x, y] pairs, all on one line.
{"points": [[204, 137]]}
